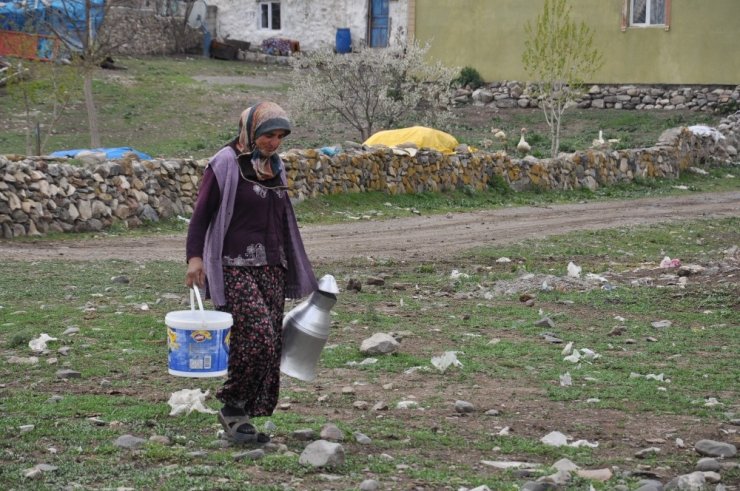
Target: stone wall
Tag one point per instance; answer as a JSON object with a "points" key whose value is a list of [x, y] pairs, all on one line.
{"points": [[154, 34], [42, 194], [699, 98]]}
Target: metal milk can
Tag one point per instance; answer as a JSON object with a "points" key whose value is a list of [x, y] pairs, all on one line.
{"points": [[305, 330]]}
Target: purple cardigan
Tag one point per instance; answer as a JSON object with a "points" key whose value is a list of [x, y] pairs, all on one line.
{"points": [[300, 278]]}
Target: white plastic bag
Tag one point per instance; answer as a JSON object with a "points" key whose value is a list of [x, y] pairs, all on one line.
{"points": [[186, 401]]}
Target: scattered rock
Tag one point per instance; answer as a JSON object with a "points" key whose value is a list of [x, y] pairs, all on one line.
{"points": [[379, 344], [18, 360], [129, 441], [711, 448], [407, 405], [649, 485], [380, 406], [564, 465], [375, 281], [707, 464], [305, 434], [254, 454], [354, 285], [332, 432], [67, 373], [362, 439], [539, 486], [369, 485], [602, 475], [647, 452], [322, 454], [36, 471], [662, 324], [160, 439], [687, 482], [464, 407]]}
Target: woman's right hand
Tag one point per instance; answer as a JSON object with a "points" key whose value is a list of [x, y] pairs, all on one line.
{"points": [[196, 275]]}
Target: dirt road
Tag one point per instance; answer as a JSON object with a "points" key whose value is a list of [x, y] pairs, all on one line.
{"points": [[419, 237]]}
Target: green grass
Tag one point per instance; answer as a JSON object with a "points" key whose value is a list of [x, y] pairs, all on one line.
{"points": [[121, 354], [376, 205], [157, 106]]}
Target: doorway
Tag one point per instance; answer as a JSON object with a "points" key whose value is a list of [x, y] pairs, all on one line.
{"points": [[379, 23]]}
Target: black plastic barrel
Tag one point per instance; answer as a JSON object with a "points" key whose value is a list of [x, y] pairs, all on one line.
{"points": [[344, 40]]}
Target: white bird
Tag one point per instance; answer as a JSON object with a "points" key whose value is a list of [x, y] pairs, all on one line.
{"points": [[523, 147], [499, 134], [599, 142]]}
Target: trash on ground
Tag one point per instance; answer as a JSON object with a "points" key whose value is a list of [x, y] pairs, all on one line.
{"points": [[667, 262], [186, 401], [447, 359], [557, 439], [39, 344], [574, 271], [566, 380]]}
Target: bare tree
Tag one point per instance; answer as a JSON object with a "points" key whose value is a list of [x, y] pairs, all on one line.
{"points": [[46, 90], [558, 54], [373, 88], [80, 25]]}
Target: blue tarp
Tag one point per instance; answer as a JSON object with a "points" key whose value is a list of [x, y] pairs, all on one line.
{"points": [[110, 153], [64, 18]]}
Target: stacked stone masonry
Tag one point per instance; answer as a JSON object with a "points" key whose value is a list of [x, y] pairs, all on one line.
{"points": [[511, 94], [155, 34], [41, 194]]}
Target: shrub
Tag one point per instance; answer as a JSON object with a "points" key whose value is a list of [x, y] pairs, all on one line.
{"points": [[469, 76]]}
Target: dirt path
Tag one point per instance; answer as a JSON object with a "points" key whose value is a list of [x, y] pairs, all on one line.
{"points": [[419, 237]]}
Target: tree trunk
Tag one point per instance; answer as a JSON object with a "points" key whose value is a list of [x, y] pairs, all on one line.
{"points": [[92, 115]]}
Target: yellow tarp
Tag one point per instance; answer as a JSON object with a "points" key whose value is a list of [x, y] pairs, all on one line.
{"points": [[421, 136]]}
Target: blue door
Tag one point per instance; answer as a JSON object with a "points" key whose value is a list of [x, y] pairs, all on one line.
{"points": [[379, 23]]}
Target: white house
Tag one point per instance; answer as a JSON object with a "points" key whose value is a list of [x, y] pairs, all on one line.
{"points": [[312, 23]]}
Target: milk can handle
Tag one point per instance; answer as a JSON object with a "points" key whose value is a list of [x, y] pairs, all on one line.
{"points": [[195, 291]]}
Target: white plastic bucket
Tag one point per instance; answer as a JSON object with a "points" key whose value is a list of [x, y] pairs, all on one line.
{"points": [[198, 340]]}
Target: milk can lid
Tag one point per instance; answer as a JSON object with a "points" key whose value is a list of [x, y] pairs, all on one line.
{"points": [[328, 284]]}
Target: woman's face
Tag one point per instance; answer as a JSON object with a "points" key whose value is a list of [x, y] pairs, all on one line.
{"points": [[268, 143]]}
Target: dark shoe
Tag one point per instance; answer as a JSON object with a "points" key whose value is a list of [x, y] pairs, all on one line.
{"points": [[238, 428]]}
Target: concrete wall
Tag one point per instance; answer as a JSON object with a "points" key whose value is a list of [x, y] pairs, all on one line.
{"points": [[38, 194], [699, 48], [313, 23]]}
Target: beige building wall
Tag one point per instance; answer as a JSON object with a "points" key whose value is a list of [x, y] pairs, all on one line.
{"points": [[701, 45]]}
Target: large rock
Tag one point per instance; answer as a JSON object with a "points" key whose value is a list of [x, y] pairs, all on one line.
{"points": [[711, 448], [379, 344], [322, 453]]}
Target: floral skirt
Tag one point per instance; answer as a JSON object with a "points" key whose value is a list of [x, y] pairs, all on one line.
{"points": [[255, 298]]}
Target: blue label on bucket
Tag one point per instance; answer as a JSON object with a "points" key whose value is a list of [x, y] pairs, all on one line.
{"points": [[198, 351]]}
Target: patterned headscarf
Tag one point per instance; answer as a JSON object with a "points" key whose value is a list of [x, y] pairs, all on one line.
{"points": [[258, 120], [253, 122]]}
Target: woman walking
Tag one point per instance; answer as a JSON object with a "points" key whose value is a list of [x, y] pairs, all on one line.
{"points": [[244, 247]]}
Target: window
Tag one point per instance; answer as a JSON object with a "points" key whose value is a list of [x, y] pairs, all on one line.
{"points": [[646, 13], [270, 15]]}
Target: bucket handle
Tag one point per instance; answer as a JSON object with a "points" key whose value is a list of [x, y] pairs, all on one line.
{"points": [[195, 291]]}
